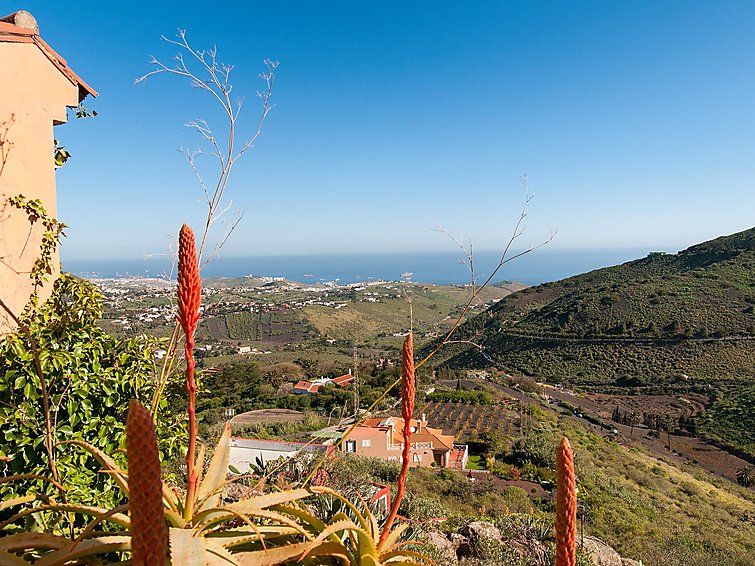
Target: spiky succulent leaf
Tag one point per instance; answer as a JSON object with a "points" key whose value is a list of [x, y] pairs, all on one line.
{"points": [[208, 492], [186, 549]]}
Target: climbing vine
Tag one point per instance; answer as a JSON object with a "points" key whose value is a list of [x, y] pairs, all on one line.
{"points": [[53, 232]]}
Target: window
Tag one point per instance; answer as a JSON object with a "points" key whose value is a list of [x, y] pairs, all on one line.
{"points": [[351, 446], [391, 458], [366, 443], [417, 458]]}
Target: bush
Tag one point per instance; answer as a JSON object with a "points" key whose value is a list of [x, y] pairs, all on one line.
{"points": [[89, 377]]}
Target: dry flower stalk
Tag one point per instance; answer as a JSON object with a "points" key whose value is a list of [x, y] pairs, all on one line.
{"points": [[566, 506], [148, 535], [408, 392], [189, 296]]}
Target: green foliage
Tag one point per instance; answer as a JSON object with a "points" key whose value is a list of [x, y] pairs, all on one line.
{"points": [[730, 416], [90, 378], [746, 476], [538, 449], [668, 323]]}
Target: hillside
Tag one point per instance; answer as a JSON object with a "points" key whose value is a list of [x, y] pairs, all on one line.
{"points": [[666, 322]]}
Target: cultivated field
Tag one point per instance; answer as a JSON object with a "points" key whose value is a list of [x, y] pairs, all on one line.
{"points": [[467, 422], [677, 406]]}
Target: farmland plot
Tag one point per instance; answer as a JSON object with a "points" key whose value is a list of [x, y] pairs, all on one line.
{"points": [[467, 422]]}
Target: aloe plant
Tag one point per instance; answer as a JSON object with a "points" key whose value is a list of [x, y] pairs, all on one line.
{"points": [[202, 529]]}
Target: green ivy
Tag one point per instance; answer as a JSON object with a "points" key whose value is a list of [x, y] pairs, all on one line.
{"points": [[90, 378]]}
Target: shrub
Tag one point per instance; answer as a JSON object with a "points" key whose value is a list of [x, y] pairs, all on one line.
{"points": [[89, 378]]}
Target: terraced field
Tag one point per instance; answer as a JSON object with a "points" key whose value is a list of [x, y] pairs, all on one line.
{"points": [[467, 422]]}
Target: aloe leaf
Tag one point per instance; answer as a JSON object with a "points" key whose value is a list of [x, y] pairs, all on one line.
{"points": [[16, 501], [208, 492], [307, 519], [185, 548], [394, 535], [39, 541], [398, 557], [268, 500], [8, 559], [220, 557], [118, 473], [363, 523], [236, 538], [213, 517], [342, 525], [271, 556], [84, 549], [118, 518]]}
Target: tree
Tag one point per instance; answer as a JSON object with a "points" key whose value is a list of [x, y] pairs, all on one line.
{"points": [[746, 476], [616, 415], [633, 420], [668, 425]]}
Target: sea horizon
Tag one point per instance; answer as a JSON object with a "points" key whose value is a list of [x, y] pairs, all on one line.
{"points": [[439, 268]]}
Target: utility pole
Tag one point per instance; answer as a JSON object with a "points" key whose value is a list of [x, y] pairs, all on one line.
{"points": [[355, 384]]}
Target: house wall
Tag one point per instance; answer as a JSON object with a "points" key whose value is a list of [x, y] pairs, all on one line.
{"points": [[242, 457], [380, 447], [34, 95]]}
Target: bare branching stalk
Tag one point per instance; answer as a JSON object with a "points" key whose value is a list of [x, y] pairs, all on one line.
{"points": [[476, 290], [206, 73], [505, 258]]}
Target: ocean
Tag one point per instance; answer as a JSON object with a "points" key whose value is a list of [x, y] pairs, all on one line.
{"points": [[443, 268]]}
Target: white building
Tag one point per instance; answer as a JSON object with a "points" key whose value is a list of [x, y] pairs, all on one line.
{"points": [[246, 452]]}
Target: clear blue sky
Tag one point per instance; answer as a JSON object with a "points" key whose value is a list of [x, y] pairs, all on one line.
{"points": [[633, 120]]}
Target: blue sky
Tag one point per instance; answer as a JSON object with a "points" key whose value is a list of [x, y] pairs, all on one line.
{"points": [[634, 122]]}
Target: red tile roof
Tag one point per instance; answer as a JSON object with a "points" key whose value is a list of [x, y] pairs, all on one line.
{"points": [[11, 33], [307, 386], [343, 380]]}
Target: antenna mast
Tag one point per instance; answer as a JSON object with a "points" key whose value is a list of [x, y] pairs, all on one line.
{"points": [[355, 383]]}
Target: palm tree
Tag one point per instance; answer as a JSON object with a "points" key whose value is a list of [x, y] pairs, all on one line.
{"points": [[746, 476]]}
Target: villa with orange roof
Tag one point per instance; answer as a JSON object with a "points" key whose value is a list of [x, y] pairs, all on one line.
{"points": [[383, 438]]}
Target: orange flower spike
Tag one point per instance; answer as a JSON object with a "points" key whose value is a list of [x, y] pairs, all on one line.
{"points": [[408, 386], [189, 297], [148, 536], [189, 283], [566, 506], [408, 392]]}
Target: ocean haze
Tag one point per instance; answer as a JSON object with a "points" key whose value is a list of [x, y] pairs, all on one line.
{"points": [[443, 268]]}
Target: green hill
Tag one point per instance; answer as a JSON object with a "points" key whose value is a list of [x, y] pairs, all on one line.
{"points": [[668, 322]]}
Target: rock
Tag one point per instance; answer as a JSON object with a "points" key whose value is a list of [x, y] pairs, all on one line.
{"points": [[630, 562], [445, 547], [600, 553], [480, 529], [533, 551]]}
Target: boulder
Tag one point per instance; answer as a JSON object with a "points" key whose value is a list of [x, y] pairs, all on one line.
{"points": [[531, 550], [481, 529], [445, 547], [600, 553]]}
